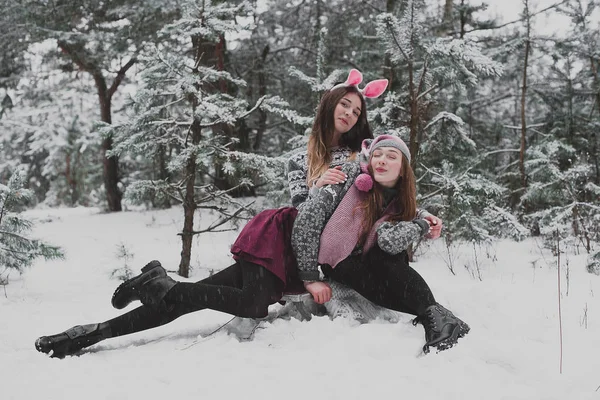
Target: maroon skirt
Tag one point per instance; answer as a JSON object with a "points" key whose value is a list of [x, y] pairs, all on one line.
{"points": [[266, 241]]}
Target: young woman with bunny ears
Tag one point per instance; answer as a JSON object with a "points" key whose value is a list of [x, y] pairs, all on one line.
{"points": [[265, 267], [376, 210], [339, 128], [337, 133]]}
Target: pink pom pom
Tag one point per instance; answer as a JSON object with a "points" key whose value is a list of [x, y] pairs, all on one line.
{"points": [[364, 182], [364, 168]]}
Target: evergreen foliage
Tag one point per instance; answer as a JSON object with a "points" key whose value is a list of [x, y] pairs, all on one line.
{"points": [[593, 264], [451, 184], [219, 93], [17, 249], [49, 132], [182, 110], [562, 193]]}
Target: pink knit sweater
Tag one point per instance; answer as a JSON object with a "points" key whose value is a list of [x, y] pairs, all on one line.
{"points": [[342, 232]]}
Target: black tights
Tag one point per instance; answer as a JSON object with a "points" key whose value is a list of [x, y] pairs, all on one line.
{"points": [[244, 289], [384, 279], [247, 290]]}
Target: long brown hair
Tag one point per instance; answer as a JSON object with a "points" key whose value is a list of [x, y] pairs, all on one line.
{"points": [[406, 201], [321, 135]]}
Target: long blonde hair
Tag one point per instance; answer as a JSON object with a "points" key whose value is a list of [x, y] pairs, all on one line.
{"points": [[406, 201], [319, 143]]}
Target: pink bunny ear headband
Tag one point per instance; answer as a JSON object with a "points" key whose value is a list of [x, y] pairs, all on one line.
{"points": [[372, 90]]}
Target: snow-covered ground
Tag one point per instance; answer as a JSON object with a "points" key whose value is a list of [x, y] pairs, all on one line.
{"points": [[512, 352]]}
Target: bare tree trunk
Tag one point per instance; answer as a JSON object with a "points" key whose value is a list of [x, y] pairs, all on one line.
{"points": [[463, 21], [571, 95], [161, 173], [414, 117], [71, 180], [110, 166], [523, 120], [448, 24], [524, 100], [388, 68], [189, 205], [262, 90], [594, 67]]}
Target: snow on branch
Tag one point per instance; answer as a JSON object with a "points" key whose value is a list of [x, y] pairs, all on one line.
{"points": [[315, 85], [282, 108], [465, 53]]}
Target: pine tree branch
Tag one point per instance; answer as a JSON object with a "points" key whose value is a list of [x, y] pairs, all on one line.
{"points": [[169, 194], [390, 28], [515, 21], [21, 124], [21, 252], [463, 174], [422, 81], [247, 113], [480, 103], [425, 93], [4, 206], [77, 58], [212, 196], [528, 126], [222, 221], [352, 64], [120, 77], [430, 195], [14, 235], [209, 124], [377, 9]]}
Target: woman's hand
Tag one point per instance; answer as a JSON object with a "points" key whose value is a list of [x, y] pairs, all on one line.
{"points": [[435, 226], [331, 177], [320, 291]]}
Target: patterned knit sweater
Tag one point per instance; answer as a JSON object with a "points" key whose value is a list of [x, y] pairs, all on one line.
{"points": [[297, 171], [392, 237]]}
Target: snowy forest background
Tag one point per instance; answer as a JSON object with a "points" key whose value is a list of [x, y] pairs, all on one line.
{"points": [[198, 104]]}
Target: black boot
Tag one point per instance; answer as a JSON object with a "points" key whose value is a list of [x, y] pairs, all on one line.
{"points": [[71, 341], [150, 287], [442, 328]]}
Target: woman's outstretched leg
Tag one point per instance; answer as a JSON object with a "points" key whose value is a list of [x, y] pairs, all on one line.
{"points": [[239, 290], [144, 317], [259, 289], [235, 279]]}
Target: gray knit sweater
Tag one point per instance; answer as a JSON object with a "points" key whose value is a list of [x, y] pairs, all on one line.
{"points": [[297, 170], [392, 237]]}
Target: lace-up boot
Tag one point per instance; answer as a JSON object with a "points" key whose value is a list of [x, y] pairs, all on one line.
{"points": [[442, 328], [72, 340], [150, 287]]}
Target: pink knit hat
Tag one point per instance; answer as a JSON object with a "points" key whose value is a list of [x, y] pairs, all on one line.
{"points": [[364, 182]]}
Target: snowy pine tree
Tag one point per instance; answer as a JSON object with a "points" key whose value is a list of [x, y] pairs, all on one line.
{"points": [[49, 132], [456, 187], [562, 192], [100, 40], [181, 109], [17, 249], [429, 70]]}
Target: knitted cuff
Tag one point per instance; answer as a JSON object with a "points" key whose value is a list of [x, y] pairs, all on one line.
{"points": [[309, 275], [424, 225]]}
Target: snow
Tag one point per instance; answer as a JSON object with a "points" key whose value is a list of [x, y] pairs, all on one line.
{"points": [[512, 351]]}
